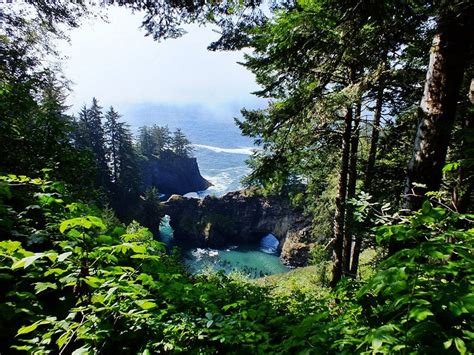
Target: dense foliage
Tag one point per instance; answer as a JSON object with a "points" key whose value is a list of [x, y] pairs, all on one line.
{"points": [[344, 79], [160, 142], [75, 280]]}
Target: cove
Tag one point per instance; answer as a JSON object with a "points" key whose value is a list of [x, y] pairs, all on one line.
{"points": [[253, 260]]}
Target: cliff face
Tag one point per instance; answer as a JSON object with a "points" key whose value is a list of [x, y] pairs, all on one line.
{"points": [[173, 175], [238, 218]]}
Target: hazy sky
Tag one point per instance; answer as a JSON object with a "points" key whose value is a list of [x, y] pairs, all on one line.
{"points": [[120, 66]]}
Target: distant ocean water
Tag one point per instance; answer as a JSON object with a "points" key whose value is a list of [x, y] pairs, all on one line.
{"points": [[223, 167], [221, 152], [219, 147]]}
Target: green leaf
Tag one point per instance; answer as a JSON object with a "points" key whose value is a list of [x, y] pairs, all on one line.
{"points": [[63, 339], [25, 262], [86, 222], [83, 350], [145, 304], [93, 281], [56, 271], [27, 329], [450, 167], [64, 256], [96, 221], [447, 344], [105, 239], [426, 207], [468, 302], [460, 345], [420, 313], [41, 286]]}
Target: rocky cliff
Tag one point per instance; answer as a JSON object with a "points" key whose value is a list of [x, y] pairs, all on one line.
{"points": [[173, 175], [240, 217]]}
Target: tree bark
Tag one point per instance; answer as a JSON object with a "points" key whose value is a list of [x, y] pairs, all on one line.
{"points": [[370, 170], [374, 139], [351, 189], [114, 155], [339, 217], [462, 193], [437, 108]]}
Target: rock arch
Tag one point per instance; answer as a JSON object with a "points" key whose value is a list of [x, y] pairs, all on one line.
{"points": [[240, 217]]}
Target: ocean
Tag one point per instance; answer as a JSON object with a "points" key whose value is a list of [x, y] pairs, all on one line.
{"points": [[221, 152]]}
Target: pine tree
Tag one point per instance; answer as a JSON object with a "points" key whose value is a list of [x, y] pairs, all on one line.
{"points": [[96, 133], [80, 135], [450, 51], [122, 158], [112, 130], [306, 73], [162, 139], [128, 178], [146, 143], [180, 145], [88, 135]]}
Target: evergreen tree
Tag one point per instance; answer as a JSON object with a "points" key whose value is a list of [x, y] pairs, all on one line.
{"points": [[112, 130], [315, 74], [162, 139], [180, 145], [155, 140], [96, 133], [88, 135], [146, 142], [452, 46], [128, 170], [34, 126], [81, 133], [122, 160]]}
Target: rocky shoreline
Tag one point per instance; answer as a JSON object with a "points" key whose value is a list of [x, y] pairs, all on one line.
{"points": [[241, 217], [173, 175]]}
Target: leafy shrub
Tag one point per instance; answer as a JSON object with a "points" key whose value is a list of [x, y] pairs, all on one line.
{"points": [[73, 283], [91, 287], [420, 300]]}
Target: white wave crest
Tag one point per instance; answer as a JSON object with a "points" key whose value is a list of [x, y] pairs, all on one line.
{"points": [[199, 253], [243, 150]]}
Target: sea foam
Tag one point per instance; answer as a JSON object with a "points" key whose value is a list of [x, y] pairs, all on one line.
{"points": [[243, 150]]}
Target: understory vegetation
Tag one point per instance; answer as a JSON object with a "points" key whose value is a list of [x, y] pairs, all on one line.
{"points": [[386, 181], [75, 280]]}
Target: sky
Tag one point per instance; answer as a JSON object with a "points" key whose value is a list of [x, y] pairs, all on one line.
{"points": [[116, 63]]}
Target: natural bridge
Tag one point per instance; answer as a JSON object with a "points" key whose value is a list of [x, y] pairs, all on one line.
{"points": [[237, 218]]}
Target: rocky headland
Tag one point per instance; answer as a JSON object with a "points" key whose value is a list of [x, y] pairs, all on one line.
{"points": [[172, 174], [241, 217]]}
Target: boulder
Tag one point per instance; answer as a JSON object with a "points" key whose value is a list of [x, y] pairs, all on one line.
{"points": [[297, 247]]}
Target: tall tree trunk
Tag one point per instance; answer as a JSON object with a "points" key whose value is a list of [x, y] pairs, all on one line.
{"points": [[437, 108], [464, 186], [114, 156], [374, 139], [351, 189], [370, 169], [339, 217]]}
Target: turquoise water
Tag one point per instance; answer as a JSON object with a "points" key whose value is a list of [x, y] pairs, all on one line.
{"points": [[221, 152], [253, 261], [248, 260]]}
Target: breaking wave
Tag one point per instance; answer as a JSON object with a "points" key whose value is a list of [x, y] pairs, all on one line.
{"points": [[243, 150]]}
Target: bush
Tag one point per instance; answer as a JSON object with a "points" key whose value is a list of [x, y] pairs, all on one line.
{"points": [[73, 283]]}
